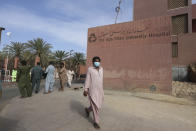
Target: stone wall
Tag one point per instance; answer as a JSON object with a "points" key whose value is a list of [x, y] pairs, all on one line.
{"points": [[194, 11], [183, 89], [186, 50], [152, 8], [135, 55]]}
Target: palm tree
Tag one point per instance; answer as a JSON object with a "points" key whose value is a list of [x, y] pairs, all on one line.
{"points": [[29, 57], [78, 59], [16, 49], [40, 48], [2, 58], [61, 55]]}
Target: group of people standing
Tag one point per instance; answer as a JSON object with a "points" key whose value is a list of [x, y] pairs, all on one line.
{"points": [[29, 79], [93, 87]]}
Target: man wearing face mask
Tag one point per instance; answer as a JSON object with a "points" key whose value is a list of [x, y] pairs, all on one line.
{"points": [[94, 89]]}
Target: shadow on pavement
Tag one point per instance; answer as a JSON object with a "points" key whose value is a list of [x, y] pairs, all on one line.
{"points": [[7, 124], [77, 107], [7, 95]]}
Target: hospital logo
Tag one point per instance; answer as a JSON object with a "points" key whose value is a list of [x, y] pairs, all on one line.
{"points": [[92, 38]]}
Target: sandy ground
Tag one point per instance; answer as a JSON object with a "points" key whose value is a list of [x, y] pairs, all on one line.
{"points": [[122, 111]]}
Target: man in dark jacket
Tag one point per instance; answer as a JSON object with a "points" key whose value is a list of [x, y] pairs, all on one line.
{"points": [[36, 75], [2, 74]]}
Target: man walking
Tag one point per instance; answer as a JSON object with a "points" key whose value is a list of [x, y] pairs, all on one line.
{"points": [[36, 75], [94, 89], [49, 78], [70, 74], [2, 74], [62, 76]]}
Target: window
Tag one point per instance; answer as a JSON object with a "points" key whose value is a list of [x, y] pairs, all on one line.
{"points": [[172, 4], [179, 24], [194, 25], [174, 49]]}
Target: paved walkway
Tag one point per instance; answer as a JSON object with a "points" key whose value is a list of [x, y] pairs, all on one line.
{"points": [[7, 95], [64, 111]]}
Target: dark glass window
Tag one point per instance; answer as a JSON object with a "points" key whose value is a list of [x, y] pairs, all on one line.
{"points": [[174, 49], [194, 25]]}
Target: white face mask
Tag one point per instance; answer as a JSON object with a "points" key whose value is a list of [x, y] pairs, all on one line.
{"points": [[96, 64]]}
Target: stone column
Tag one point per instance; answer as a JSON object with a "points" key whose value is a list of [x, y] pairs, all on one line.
{"points": [[16, 60], [6, 63]]}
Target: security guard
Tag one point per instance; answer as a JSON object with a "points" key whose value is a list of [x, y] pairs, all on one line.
{"points": [[14, 74]]}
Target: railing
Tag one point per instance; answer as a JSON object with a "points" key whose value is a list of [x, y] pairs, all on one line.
{"points": [[6, 80]]}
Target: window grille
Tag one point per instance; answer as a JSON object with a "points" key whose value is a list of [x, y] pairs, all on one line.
{"points": [[179, 24], [172, 4]]}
